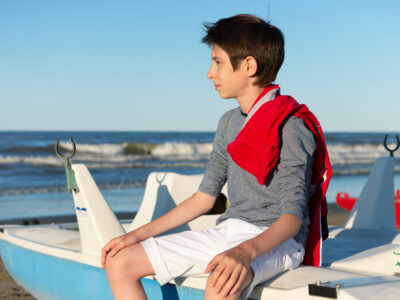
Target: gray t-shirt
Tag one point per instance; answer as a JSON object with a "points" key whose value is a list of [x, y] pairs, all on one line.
{"points": [[287, 190]]}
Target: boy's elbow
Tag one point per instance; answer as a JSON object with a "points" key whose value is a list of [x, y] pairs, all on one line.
{"points": [[205, 201], [294, 223], [297, 223]]}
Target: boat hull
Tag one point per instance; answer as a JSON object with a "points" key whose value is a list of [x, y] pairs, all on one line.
{"points": [[49, 277]]}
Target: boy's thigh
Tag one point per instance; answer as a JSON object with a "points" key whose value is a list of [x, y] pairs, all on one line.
{"points": [[285, 257], [188, 253], [185, 253]]}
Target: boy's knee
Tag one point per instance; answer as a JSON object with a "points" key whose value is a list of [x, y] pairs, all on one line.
{"points": [[119, 264], [129, 263], [115, 264]]}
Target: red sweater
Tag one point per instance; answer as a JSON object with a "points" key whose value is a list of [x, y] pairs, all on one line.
{"points": [[256, 150]]}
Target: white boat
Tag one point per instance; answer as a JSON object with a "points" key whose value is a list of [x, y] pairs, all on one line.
{"points": [[62, 261]]}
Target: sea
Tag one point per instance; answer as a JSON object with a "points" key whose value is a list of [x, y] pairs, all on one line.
{"points": [[33, 183]]}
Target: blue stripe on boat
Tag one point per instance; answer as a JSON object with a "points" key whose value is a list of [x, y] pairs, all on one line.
{"points": [[50, 277]]}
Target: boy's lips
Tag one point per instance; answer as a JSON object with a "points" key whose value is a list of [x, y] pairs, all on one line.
{"points": [[216, 86]]}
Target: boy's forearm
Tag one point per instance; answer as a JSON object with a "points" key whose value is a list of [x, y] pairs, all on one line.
{"points": [[286, 227], [196, 205]]}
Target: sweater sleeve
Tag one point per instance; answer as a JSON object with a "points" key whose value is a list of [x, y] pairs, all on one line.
{"points": [[295, 167], [216, 172]]}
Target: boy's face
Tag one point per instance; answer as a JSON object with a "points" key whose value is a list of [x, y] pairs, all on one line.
{"points": [[228, 82]]}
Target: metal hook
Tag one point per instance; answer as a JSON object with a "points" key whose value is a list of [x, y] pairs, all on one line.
{"points": [[69, 173], [387, 147], [61, 155]]}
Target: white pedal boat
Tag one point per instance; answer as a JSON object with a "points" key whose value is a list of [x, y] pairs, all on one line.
{"points": [[62, 261]]}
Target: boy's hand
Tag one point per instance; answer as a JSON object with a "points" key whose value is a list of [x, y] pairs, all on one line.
{"points": [[228, 269], [115, 245]]}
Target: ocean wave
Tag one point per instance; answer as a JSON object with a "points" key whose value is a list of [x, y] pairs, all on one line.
{"points": [[119, 162], [112, 153], [165, 165], [59, 189], [336, 151], [182, 149], [30, 149], [99, 149], [33, 160], [126, 148], [340, 154], [350, 159], [351, 170], [129, 149], [138, 148]]}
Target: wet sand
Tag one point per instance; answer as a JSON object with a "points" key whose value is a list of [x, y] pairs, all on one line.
{"points": [[10, 290], [337, 216]]}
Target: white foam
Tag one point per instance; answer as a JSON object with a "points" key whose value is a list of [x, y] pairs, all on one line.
{"points": [[34, 160], [115, 152], [102, 149], [182, 149], [341, 154]]}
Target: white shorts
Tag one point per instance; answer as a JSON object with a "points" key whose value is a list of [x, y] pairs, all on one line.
{"points": [[188, 253]]}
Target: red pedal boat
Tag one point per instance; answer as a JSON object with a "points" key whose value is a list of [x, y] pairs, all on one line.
{"points": [[345, 201]]}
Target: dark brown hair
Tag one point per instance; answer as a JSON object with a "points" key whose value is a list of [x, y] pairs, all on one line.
{"points": [[246, 35]]}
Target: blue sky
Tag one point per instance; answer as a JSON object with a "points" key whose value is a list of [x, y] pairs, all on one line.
{"points": [[140, 65]]}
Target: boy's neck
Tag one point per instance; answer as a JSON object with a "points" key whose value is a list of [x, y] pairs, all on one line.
{"points": [[248, 98]]}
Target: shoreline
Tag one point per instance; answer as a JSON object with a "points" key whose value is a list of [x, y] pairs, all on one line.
{"points": [[10, 290]]}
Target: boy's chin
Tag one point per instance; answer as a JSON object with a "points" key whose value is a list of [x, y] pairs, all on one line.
{"points": [[225, 96]]}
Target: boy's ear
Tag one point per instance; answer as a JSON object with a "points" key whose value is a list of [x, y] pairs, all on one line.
{"points": [[250, 65]]}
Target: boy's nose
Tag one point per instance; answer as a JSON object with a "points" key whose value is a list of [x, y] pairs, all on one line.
{"points": [[210, 73]]}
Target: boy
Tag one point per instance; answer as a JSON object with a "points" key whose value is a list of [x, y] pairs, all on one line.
{"points": [[270, 151]]}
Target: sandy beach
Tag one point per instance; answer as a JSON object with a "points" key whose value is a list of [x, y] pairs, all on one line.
{"points": [[10, 290]]}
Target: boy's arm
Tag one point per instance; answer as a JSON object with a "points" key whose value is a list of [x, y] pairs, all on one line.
{"points": [[196, 205], [229, 268]]}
